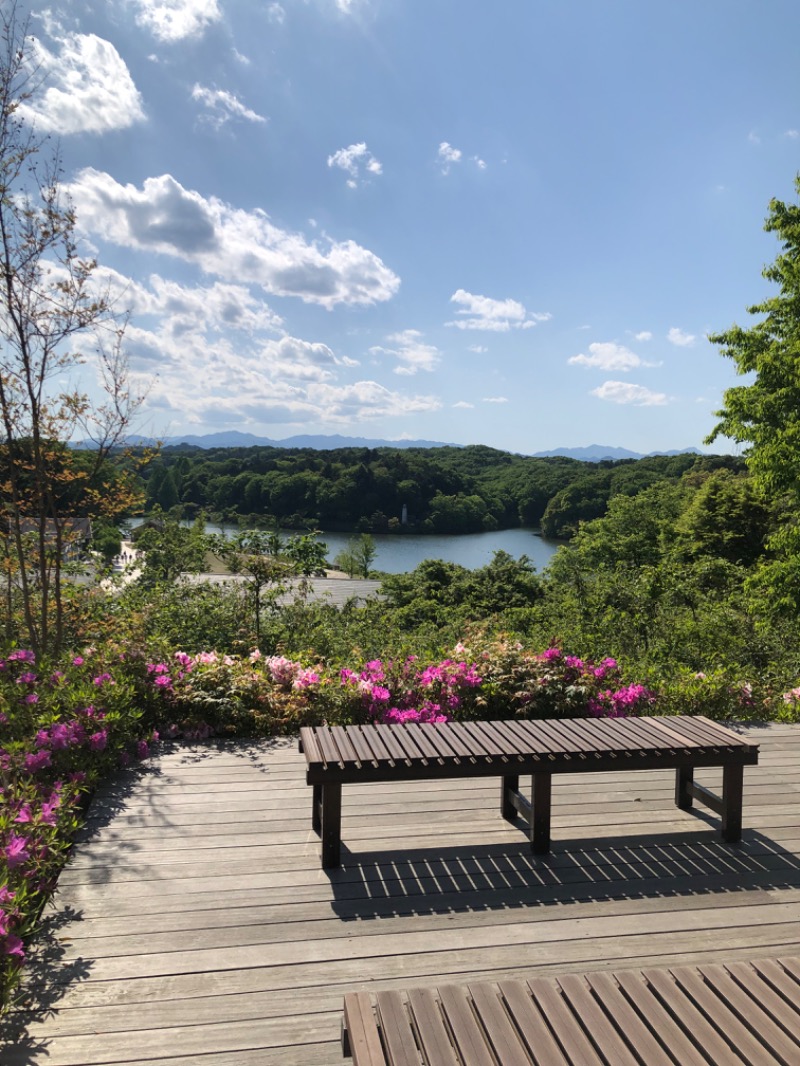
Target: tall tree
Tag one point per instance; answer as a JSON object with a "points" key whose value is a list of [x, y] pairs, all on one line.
{"points": [[48, 302], [765, 414]]}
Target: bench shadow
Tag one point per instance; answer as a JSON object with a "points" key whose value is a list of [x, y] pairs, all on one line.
{"points": [[380, 884]]}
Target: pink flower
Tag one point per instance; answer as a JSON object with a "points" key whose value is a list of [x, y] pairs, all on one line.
{"points": [[31, 698], [98, 741], [14, 946], [142, 749], [37, 761], [103, 679], [77, 661], [16, 851]]}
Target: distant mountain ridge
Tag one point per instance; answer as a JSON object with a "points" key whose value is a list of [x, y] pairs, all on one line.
{"points": [[593, 453], [236, 439]]}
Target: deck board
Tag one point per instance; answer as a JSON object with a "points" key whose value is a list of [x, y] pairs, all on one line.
{"points": [[194, 924]]}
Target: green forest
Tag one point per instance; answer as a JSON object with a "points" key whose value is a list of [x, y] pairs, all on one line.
{"points": [[440, 490]]}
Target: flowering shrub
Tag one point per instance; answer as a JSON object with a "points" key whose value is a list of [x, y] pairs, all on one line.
{"points": [[60, 731], [518, 682]]}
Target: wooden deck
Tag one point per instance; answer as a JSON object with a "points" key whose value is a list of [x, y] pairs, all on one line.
{"points": [[194, 924]]}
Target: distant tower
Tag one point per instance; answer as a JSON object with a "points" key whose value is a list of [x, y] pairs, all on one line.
{"points": [[404, 516]]}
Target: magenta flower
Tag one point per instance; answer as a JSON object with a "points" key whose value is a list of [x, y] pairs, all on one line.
{"points": [[31, 698], [142, 749], [37, 761], [103, 679], [98, 741], [16, 851], [24, 814], [14, 946], [78, 661]]}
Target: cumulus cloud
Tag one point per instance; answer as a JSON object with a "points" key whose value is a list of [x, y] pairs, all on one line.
{"points": [[447, 156], [499, 316], [410, 352], [625, 393], [276, 13], [174, 20], [463, 405], [792, 134], [495, 399], [681, 339], [645, 335], [221, 106], [479, 163], [89, 89], [357, 161], [223, 241], [479, 349], [243, 366], [608, 356]]}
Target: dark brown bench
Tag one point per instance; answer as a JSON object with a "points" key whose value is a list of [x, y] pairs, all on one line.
{"points": [[340, 755], [708, 1015]]}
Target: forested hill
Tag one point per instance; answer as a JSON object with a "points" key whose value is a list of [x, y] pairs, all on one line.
{"points": [[443, 490]]}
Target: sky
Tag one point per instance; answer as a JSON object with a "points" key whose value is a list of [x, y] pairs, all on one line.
{"points": [[509, 223]]}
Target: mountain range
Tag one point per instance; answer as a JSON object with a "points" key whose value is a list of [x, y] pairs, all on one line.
{"points": [[235, 439]]}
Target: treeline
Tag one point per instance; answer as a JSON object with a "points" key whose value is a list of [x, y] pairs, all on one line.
{"points": [[382, 490]]}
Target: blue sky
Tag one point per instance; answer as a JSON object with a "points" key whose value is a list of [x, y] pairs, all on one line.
{"points": [[510, 223]]}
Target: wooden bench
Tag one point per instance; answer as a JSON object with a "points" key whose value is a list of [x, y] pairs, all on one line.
{"points": [[708, 1015], [339, 755]]}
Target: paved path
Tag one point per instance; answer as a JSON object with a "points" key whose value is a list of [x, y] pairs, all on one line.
{"points": [[334, 590], [194, 926]]}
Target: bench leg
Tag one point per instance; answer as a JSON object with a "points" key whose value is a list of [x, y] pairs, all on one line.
{"points": [[331, 825], [684, 778], [316, 808], [540, 820], [508, 785], [732, 792]]}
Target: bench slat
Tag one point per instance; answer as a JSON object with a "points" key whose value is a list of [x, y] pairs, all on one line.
{"points": [[490, 747], [531, 1023], [569, 1034], [397, 1033], [422, 738], [467, 1034], [658, 1019], [433, 1035], [365, 753], [691, 1019], [633, 1016], [343, 740], [592, 1016], [502, 1035]]}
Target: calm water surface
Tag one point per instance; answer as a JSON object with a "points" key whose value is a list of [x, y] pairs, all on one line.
{"points": [[397, 554]]}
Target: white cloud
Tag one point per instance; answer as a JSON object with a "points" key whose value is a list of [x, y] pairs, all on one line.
{"points": [[223, 106], [355, 160], [276, 13], [792, 134], [218, 355], [223, 241], [753, 137], [479, 349], [448, 155], [498, 316], [645, 335], [410, 352], [173, 20], [625, 393], [495, 399], [89, 88], [607, 355], [479, 163], [463, 405], [681, 339]]}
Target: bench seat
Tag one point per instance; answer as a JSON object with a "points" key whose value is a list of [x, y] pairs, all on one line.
{"points": [[339, 755], [706, 1015]]}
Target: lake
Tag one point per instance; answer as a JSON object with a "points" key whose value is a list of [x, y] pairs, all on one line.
{"points": [[397, 554]]}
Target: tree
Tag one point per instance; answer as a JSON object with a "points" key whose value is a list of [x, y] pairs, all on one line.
{"points": [[48, 300], [765, 414], [357, 558]]}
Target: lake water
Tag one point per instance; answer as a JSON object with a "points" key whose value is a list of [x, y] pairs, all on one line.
{"points": [[397, 554]]}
